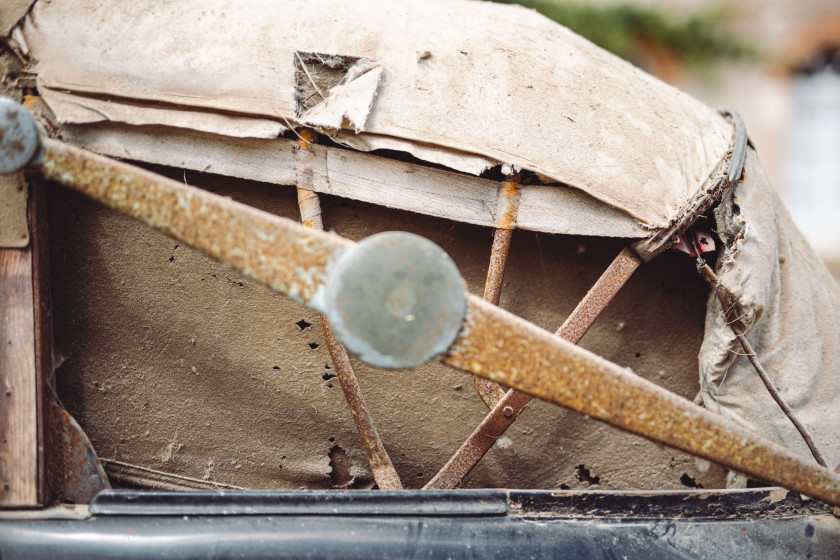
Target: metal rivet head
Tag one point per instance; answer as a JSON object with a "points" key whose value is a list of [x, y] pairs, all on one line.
{"points": [[18, 136], [395, 300], [508, 411]]}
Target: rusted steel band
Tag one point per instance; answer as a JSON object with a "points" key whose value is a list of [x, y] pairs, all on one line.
{"points": [[496, 268], [500, 346], [507, 210], [480, 441], [491, 393], [502, 416], [384, 473], [265, 247], [600, 295]]}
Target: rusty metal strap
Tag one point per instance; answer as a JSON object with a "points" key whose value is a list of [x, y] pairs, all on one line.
{"points": [[275, 251], [507, 410], [510, 350]]}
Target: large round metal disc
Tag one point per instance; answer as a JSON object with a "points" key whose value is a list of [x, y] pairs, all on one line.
{"points": [[18, 136], [396, 300]]}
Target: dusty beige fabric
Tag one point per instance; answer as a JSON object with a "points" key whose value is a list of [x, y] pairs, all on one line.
{"points": [[82, 110], [480, 79], [791, 307], [10, 13]]}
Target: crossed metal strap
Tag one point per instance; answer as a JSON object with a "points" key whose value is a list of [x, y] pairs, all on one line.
{"points": [[412, 309]]}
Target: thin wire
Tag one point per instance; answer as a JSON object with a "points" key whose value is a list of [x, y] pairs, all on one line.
{"points": [[705, 271]]}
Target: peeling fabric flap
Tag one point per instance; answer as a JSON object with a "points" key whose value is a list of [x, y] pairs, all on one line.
{"points": [[78, 109], [790, 307], [332, 89]]}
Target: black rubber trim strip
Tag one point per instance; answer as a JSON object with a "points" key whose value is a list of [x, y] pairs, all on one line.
{"points": [[449, 503], [431, 537], [739, 150]]}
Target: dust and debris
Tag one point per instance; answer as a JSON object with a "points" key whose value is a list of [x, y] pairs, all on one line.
{"points": [[209, 472], [168, 452], [504, 442], [340, 466]]}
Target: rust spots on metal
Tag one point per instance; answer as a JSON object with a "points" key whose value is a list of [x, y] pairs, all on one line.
{"points": [[384, 473], [500, 346], [491, 393], [509, 203], [310, 209], [505, 411], [480, 441], [76, 474], [276, 251], [498, 261], [306, 137]]}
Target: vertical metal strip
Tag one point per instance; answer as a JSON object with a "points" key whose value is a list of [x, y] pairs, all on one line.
{"points": [[384, 473], [507, 209]]}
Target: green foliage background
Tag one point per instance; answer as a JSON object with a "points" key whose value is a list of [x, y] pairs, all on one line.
{"points": [[699, 39]]}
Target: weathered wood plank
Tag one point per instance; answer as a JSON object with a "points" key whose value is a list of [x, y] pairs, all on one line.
{"points": [[18, 409]]}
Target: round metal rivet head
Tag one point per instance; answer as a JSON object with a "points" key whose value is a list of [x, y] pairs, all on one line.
{"points": [[18, 136], [508, 411], [396, 300]]}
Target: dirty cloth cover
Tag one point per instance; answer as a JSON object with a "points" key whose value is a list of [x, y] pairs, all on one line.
{"points": [[790, 305], [464, 84], [469, 85]]}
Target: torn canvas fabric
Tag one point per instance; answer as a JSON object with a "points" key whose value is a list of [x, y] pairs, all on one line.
{"points": [[499, 82], [790, 306]]}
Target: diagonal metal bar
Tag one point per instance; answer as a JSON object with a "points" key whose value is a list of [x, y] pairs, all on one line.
{"points": [[384, 473], [507, 349], [727, 304], [506, 411], [275, 251], [492, 342]]}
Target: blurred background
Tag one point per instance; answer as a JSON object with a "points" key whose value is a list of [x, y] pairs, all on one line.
{"points": [[777, 62]]}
